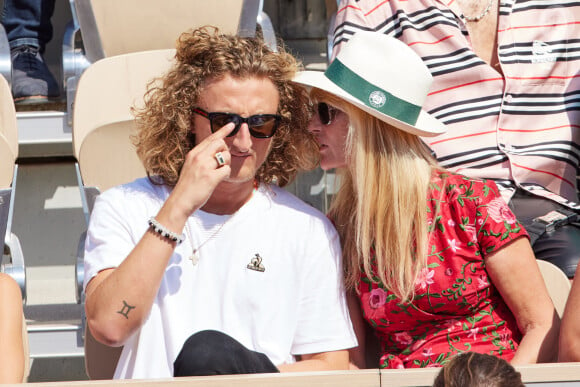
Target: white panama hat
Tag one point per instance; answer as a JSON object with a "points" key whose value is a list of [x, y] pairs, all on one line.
{"points": [[382, 76]]}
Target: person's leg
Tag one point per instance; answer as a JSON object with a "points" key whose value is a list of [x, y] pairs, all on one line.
{"points": [[27, 22], [29, 29], [561, 246], [215, 353]]}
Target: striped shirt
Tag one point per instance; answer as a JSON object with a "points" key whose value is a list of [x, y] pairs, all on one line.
{"points": [[522, 128]]}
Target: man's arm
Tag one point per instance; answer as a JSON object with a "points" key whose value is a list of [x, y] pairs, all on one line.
{"points": [[324, 361]]}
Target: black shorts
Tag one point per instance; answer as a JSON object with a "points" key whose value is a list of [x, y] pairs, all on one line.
{"points": [[560, 246]]}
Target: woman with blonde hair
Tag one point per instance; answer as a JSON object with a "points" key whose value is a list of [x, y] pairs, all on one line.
{"points": [[438, 262]]}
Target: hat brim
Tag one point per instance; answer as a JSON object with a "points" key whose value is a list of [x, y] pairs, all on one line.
{"points": [[426, 125]]}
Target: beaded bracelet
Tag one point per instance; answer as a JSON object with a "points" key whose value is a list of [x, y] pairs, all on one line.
{"points": [[164, 232]]}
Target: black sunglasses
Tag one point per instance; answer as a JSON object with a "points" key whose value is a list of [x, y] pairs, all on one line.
{"points": [[326, 113], [260, 125]]}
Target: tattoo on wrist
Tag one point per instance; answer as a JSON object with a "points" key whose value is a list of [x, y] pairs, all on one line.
{"points": [[125, 309]]}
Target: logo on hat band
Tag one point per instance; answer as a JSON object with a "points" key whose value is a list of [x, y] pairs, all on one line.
{"points": [[370, 95], [377, 98]]}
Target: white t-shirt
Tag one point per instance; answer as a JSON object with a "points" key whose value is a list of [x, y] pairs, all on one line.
{"points": [[295, 306]]}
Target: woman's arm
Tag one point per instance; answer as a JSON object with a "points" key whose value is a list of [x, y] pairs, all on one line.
{"points": [[357, 354], [11, 347], [570, 331], [514, 272]]}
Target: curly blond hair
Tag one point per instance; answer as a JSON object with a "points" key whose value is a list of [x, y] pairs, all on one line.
{"points": [[165, 122]]}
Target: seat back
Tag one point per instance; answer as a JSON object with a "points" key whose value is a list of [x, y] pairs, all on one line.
{"points": [[113, 27], [102, 126], [26, 348], [8, 135], [8, 153], [557, 283], [103, 122], [5, 61]]}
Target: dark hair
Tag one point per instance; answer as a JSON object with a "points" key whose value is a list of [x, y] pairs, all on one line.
{"points": [[472, 369]]}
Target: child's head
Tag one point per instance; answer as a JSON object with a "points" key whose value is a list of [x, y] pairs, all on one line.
{"points": [[471, 369]]}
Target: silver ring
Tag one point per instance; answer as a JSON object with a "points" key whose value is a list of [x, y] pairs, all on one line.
{"points": [[219, 157]]}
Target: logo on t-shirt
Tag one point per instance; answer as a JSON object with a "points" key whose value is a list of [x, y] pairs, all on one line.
{"points": [[256, 264], [542, 52]]}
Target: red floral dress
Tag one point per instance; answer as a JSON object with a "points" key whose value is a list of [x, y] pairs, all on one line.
{"points": [[456, 307]]}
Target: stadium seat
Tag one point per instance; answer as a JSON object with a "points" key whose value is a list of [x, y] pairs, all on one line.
{"points": [[5, 63], [12, 252], [112, 27], [102, 126], [26, 350], [8, 172], [557, 283], [105, 28], [103, 121]]}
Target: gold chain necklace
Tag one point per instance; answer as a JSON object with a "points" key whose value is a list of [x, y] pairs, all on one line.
{"points": [[194, 257], [481, 15]]}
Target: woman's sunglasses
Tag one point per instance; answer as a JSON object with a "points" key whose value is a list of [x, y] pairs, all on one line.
{"points": [[260, 125], [326, 113]]}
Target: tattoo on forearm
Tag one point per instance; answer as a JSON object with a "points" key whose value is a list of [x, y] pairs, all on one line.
{"points": [[125, 309]]}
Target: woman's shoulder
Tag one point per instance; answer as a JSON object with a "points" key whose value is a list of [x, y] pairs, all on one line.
{"points": [[451, 181]]}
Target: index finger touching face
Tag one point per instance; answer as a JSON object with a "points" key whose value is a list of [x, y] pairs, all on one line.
{"points": [[222, 132], [218, 136]]}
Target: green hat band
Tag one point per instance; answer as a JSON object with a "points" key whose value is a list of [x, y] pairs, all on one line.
{"points": [[371, 95]]}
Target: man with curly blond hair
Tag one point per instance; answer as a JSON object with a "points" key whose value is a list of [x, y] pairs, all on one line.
{"points": [[208, 266]]}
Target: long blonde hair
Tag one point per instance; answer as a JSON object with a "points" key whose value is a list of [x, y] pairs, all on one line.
{"points": [[382, 202]]}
